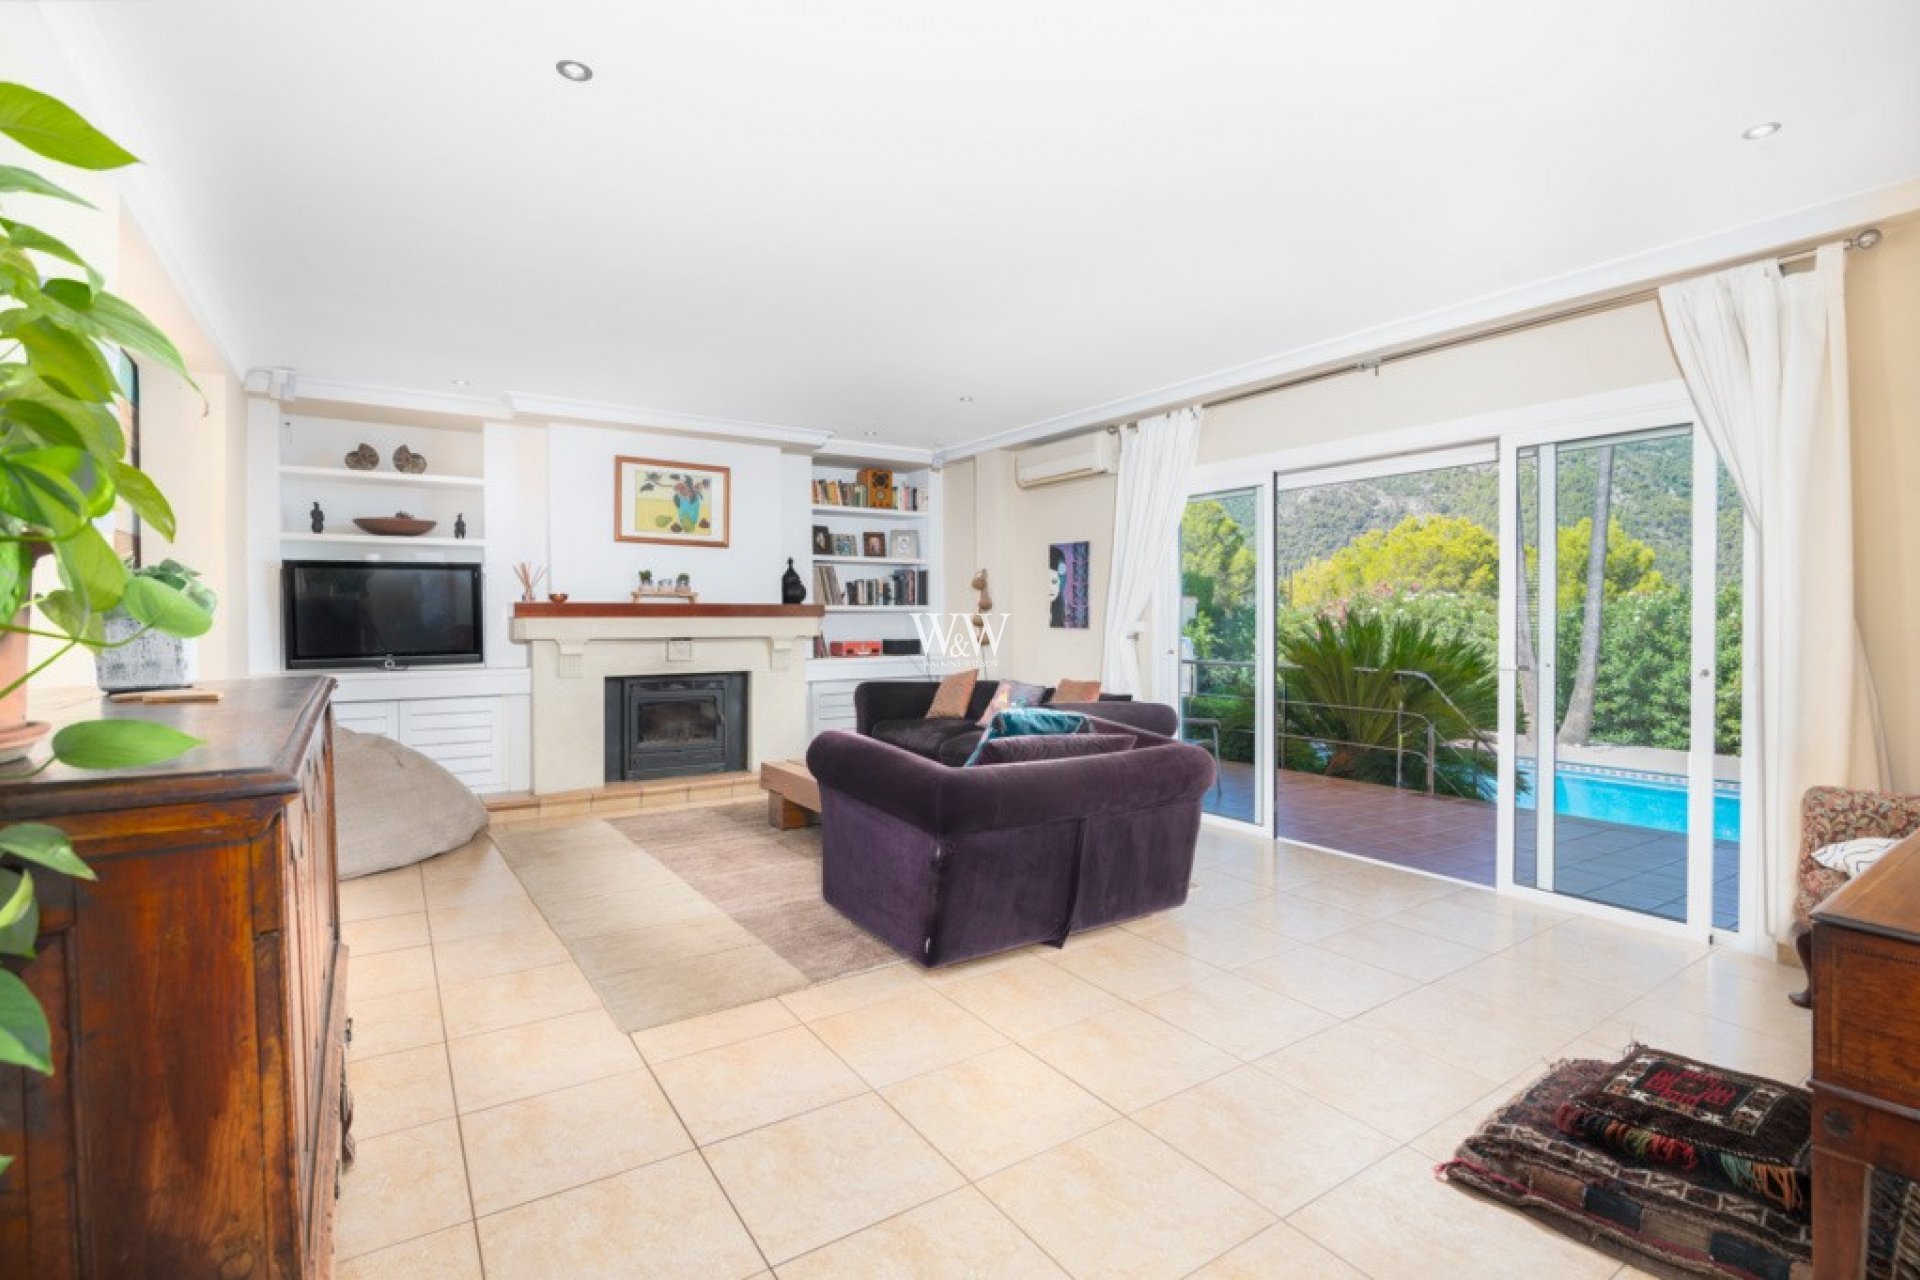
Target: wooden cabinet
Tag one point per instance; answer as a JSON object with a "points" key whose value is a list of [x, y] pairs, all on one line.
{"points": [[197, 998], [1866, 1052]]}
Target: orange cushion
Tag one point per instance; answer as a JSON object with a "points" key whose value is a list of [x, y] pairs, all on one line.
{"points": [[1077, 691], [953, 695]]}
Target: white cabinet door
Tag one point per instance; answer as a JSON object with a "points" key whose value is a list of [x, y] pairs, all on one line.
{"points": [[462, 735], [831, 705], [382, 718]]}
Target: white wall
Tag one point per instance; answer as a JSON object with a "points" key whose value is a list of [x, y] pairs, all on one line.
{"points": [[588, 564], [517, 498]]}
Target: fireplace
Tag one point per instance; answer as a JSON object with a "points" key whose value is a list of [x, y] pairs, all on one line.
{"points": [[674, 726]]}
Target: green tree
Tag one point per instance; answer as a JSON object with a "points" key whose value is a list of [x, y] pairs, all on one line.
{"points": [[1421, 553]]}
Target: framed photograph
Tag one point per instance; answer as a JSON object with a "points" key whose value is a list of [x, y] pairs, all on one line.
{"points": [[873, 544], [845, 544], [128, 532], [822, 541], [682, 504], [905, 545], [1068, 565]]}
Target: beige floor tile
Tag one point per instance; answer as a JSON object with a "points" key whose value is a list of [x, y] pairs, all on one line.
{"points": [[666, 1221], [1274, 1144], [388, 1024], [452, 1254], [1515, 987], [997, 1109], [472, 873], [402, 1185], [384, 933], [817, 1177], [388, 893], [1211, 889], [520, 1062], [1378, 1079], [1278, 1253], [949, 974], [493, 915], [1753, 996], [523, 1150], [729, 1090], [712, 1030], [1242, 1017], [825, 999], [628, 945], [1443, 1140], [1481, 920], [1607, 953], [1215, 937], [1332, 983], [1484, 1039], [1131, 967], [1297, 918], [960, 1236], [1029, 996], [1130, 1059], [490, 954], [1374, 895], [1121, 1203], [390, 973], [1697, 1036], [1408, 952], [399, 1090], [899, 1038], [509, 999], [679, 987], [1395, 1221]]}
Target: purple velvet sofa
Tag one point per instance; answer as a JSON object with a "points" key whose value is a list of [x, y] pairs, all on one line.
{"points": [[946, 864], [895, 711]]}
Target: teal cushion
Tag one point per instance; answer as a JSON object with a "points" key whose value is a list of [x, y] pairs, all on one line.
{"points": [[1022, 722]]}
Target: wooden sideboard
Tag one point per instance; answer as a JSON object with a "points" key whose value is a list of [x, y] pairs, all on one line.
{"points": [[1866, 1052], [196, 991]]}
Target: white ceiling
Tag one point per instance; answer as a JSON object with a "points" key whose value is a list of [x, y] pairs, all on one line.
{"points": [[848, 215]]}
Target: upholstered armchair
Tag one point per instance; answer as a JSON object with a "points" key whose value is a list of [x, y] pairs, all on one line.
{"points": [[1829, 815]]}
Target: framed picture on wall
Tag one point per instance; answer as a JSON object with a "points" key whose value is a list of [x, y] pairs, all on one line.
{"points": [[682, 504], [1068, 564]]}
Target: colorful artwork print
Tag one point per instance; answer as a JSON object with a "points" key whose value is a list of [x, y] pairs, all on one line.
{"points": [[1068, 567], [678, 503]]}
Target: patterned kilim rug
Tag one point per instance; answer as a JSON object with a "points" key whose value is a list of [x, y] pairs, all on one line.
{"points": [[692, 911]]}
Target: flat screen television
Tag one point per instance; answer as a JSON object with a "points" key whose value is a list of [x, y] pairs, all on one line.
{"points": [[356, 613]]}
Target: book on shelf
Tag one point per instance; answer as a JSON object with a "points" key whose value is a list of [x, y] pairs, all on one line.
{"points": [[856, 496], [902, 587]]}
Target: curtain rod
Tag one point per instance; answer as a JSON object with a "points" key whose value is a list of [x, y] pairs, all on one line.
{"points": [[1865, 239]]}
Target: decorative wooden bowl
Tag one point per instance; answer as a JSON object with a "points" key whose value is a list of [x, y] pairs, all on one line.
{"points": [[395, 526]]}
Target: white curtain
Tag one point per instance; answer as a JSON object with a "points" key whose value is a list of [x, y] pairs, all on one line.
{"points": [[1156, 456], [1765, 358]]}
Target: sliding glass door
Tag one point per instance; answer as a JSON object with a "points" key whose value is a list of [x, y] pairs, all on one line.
{"points": [[1217, 663], [1621, 647]]}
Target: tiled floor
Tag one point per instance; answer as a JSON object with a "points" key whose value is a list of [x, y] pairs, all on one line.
{"points": [[1257, 1085]]}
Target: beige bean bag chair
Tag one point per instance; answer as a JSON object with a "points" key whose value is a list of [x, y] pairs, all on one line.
{"points": [[394, 807]]}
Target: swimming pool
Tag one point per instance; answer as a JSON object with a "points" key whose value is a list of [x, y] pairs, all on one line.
{"points": [[1656, 801]]}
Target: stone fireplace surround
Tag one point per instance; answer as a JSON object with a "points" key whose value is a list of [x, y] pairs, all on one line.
{"points": [[575, 647]]}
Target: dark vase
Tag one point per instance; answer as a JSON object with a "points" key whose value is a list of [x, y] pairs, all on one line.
{"points": [[792, 590]]}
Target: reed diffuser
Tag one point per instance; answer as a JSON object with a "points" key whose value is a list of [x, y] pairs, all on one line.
{"points": [[530, 576]]}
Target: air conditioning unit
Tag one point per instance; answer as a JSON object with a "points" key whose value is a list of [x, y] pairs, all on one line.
{"points": [[1094, 454]]}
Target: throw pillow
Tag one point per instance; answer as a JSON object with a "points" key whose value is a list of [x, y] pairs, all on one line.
{"points": [[951, 698], [1053, 746], [1021, 722], [1011, 693], [1851, 857], [1077, 691], [1749, 1132]]}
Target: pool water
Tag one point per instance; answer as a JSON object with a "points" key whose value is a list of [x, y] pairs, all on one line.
{"points": [[1654, 801]]}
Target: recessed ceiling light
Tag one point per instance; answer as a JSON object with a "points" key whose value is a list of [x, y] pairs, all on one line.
{"points": [[1765, 129], [578, 72], [966, 399], [869, 434], [462, 382]]}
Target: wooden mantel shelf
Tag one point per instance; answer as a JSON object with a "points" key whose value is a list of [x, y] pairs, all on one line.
{"points": [[622, 609]]}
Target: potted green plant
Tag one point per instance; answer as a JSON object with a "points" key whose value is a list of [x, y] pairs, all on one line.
{"points": [[137, 656], [63, 467]]}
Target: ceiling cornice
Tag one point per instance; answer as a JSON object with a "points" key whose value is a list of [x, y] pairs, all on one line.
{"points": [[145, 193], [1621, 274]]}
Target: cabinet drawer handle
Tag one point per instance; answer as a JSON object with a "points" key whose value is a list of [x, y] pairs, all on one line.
{"points": [[1838, 1123]]}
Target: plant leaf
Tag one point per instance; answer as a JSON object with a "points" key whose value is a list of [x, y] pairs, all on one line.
{"points": [[36, 487], [49, 127], [19, 900], [26, 181], [164, 608], [48, 846], [90, 568], [26, 237], [62, 420], [18, 938], [66, 611], [119, 744], [118, 320], [14, 569], [25, 1040], [139, 491], [71, 363]]}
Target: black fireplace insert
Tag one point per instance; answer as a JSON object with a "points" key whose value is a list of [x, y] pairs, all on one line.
{"points": [[675, 726]]}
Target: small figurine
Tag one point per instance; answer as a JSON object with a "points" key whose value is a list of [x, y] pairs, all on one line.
{"points": [[408, 462], [318, 519], [792, 590], [684, 582], [460, 525], [363, 459]]}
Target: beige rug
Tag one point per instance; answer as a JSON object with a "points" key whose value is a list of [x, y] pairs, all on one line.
{"points": [[676, 914]]}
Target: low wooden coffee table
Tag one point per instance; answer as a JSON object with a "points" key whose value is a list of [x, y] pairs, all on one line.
{"points": [[793, 797]]}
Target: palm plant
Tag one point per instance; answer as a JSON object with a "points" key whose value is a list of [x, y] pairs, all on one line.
{"points": [[1362, 687]]}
